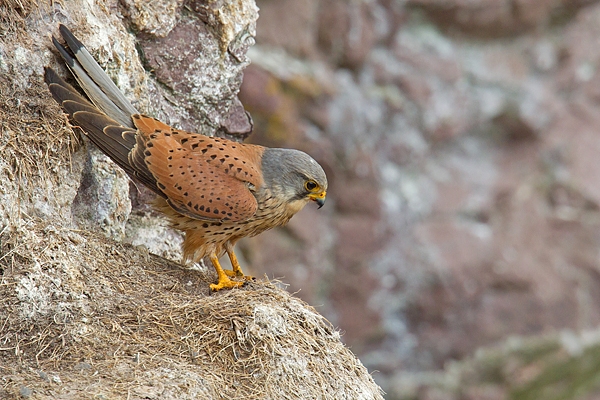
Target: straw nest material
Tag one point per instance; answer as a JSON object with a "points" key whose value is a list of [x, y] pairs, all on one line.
{"points": [[84, 317]]}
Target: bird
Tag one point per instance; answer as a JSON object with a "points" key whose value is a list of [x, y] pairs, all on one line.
{"points": [[216, 191]]}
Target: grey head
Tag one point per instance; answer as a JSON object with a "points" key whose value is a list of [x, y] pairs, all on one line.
{"points": [[294, 176]]}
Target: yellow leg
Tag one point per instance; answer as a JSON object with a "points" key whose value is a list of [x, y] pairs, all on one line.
{"points": [[224, 281], [229, 273], [237, 270]]}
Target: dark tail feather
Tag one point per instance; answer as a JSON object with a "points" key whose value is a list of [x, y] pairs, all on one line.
{"points": [[95, 125], [61, 90], [106, 120], [105, 132], [93, 80]]}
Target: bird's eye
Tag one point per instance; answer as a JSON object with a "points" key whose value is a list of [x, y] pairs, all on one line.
{"points": [[310, 185]]}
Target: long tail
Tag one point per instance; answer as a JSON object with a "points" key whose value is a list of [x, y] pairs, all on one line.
{"points": [[93, 80], [107, 118]]}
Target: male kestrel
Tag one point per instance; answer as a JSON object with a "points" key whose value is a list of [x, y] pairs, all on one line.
{"points": [[215, 190]]}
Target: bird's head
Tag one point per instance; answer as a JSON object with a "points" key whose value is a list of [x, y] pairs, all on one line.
{"points": [[295, 176]]}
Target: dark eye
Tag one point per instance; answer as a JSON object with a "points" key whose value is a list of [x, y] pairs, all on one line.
{"points": [[310, 185]]}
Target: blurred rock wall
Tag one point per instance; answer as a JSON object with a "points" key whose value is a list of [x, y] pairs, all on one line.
{"points": [[462, 141]]}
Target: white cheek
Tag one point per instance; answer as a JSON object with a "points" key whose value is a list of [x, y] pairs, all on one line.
{"points": [[294, 206]]}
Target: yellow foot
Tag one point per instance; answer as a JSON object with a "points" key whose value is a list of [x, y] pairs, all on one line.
{"points": [[224, 275], [235, 274], [225, 283]]}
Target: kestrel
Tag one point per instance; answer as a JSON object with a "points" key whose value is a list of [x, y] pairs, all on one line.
{"points": [[215, 190]]}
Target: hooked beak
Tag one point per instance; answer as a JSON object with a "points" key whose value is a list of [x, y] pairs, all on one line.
{"points": [[318, 198]]}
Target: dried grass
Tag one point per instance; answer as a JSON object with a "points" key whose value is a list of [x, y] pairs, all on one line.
{"points": [[13, 14], [35, 143], [33, 137], [107, 319]]}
